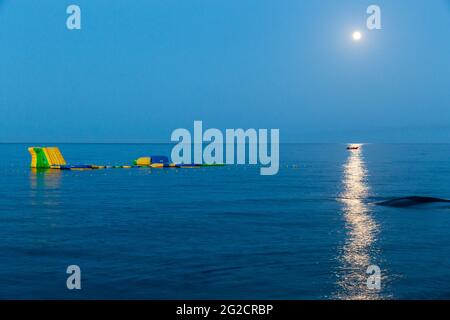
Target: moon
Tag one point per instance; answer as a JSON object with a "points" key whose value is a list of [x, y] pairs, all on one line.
{"points": [[357, 35]]}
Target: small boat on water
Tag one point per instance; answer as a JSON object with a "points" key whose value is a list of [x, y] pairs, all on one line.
{"points": [[352, 148]]}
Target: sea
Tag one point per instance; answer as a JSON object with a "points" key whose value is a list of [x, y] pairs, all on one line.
{"points": [[313, 231]]}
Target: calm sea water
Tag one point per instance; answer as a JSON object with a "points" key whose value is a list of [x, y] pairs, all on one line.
{"points": [[309, 232]]}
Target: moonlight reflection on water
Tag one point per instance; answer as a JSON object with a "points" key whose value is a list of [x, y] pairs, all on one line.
{"points": [[358, 252]]}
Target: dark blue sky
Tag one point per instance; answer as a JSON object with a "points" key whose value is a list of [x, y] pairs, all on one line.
{"points": [[139, 69]]}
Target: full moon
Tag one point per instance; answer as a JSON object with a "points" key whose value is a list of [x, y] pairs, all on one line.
{"points": [[356, 35]]}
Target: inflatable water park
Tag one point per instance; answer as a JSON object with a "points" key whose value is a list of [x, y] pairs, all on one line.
{"points": [[52, 158]]}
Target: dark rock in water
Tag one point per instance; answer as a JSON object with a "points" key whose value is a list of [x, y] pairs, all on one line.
{"points": [[410, 201]]}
